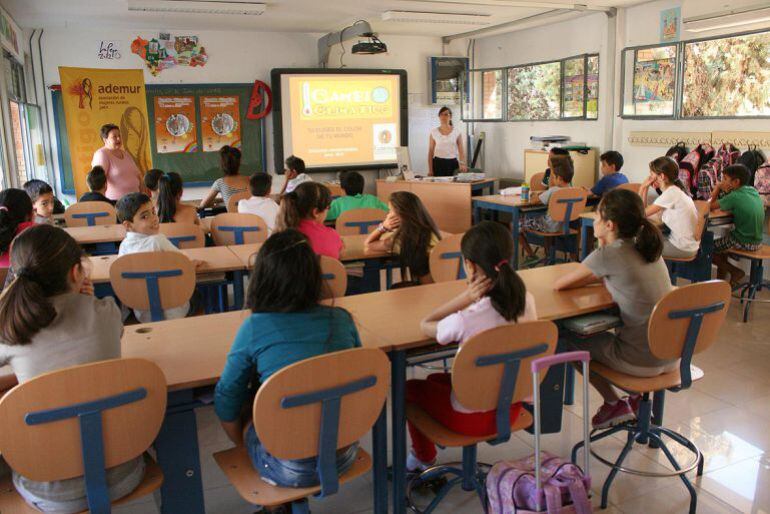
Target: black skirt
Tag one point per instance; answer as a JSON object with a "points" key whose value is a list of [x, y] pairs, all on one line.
{"points": [[445, 167]]}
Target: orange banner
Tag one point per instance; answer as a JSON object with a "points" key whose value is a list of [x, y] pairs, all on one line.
{"points": [[220, 122], [175, 129]]}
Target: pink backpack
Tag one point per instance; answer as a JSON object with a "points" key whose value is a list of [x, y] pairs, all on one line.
{"points": [[690, 165], [710, 173], [762, 179]]}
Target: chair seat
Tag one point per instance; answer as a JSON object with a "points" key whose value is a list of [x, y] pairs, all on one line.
{"points": [[11, 502], [236, 464], [443, 436], [644, 384], [572, 232], [762, 253], [680, 259]]}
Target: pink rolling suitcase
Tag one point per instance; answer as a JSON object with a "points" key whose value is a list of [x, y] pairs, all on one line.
{"points": [[543, 483]]}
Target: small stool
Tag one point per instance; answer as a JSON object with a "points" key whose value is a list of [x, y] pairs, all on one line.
{"points": [[756, 276]]}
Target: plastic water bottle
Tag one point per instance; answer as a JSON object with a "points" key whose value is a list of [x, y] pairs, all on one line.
{"points": [[525, 192]]}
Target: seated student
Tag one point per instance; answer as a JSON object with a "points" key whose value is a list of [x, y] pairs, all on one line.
{"points": [[232, 182], [611, 163], [305, 210], [294, 174], [629, 262], [677, 209], [353, 184], [561, 173], [287, 324], [16, 215], [42, 198], [151, 179], [260, 202], [137, 214], [495, 296], [554, 154], [748, 211], [410, 232], [49, 320], [169, 204], [97, 183]]}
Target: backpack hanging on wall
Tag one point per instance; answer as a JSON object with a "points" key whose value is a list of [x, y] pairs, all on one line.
{"points": [[678, 152], [762, 179], [710, 173], [752, 158], [690, 165]]}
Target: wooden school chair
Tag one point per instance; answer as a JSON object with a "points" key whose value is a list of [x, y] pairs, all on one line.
{"points": [[446, 260], [153, 281], [536, 182], [232, 204], [89, 214], [335, 278], [630, 186], [335, 189], [565, 206], [311, 409], [491, 371], [683, 323], [80, 421], [757, 280], [184, 235], [698, 267], [359, 221], [232, 228]]}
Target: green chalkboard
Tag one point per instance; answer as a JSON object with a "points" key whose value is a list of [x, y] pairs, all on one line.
{"points": [[197, 168]]}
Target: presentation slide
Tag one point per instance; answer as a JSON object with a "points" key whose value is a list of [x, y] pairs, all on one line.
{"points": [[341, 120]]}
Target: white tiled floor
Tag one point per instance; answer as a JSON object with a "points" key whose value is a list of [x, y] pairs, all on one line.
{"points": [[727, 415]]}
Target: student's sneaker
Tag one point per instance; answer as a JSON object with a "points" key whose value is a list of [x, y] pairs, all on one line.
{"points": [[415, 465], [611, 415], [634, 401]]}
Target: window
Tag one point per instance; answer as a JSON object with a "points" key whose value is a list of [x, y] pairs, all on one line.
{"points": [[533, 92], [727, 77], [573, 87], [652, 88], [592, 88], [485, 99]]}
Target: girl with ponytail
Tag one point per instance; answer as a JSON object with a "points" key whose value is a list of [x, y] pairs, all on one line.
{"points": [[169, 203], [305, 209], [495, 296], [16, 213], [676, 208], [50, 319], [629, 263]]}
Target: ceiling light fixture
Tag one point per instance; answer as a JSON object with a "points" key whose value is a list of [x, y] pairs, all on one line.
{"points": [[727, 19], [197, 7], [437, 17]]}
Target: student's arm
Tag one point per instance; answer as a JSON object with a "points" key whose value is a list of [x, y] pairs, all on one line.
{"points": [[581, 276], [209, 199], [477, 288], [652, 210], [600, 187], [431, 152], [714, 200], [461, 153], [232, 389], [375, 242]]}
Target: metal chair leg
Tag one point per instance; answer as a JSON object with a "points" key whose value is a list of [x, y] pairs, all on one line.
{"points": [[614, 471], [683, 477], [300, 507]]}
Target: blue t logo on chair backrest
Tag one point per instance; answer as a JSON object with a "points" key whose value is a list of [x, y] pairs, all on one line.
{"points": [[238, 232], [177, 240], [153, 288], [90, 217], [693, 329], [363, 226]]}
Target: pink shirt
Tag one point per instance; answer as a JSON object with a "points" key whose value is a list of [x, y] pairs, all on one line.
{"points": [[5, 258], [324, 240], [474, 319], [122, 174]]}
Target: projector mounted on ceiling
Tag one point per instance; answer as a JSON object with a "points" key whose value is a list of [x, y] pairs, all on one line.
{"points": [[361, 28], [373, 46], [197, 7]]}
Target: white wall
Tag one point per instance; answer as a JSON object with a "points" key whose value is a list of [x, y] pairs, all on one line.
{"points": [[247, 56]]}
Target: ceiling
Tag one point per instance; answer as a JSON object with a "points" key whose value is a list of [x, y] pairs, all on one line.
{"points": [[313, 16]]}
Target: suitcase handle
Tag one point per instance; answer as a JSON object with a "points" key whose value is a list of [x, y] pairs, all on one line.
{"points": [[544, 362]]}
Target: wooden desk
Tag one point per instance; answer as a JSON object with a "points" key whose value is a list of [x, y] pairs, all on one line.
{"points": [[97, 234], [353, 250], [449, 203]]}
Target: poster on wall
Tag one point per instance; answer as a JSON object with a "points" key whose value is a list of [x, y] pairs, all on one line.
{"points": [[166, 51], [669, 24], [10, 36], [654, 80], [175, 130], [220, 122], [94, 97]]}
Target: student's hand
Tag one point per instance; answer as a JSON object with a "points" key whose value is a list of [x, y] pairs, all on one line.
{"points": [[87, 287], [478, 286], [291, 175], [392, 221], [648, 181], [463, 167]]}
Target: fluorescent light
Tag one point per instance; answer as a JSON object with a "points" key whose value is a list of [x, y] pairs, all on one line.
{"points": [[197, 7], [436, 17], [727, 19]]}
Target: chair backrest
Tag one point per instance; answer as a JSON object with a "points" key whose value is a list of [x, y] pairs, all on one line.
{"points": [[153, 281], [184, 235], [687, 321], [79, 421], [335, 279], [88, 214], [232, 203], [319, 405], [566, 205], [359, 221], [536, 182], [335, 189], [232, 228], [703, 207], [630, 186], [492, 369], [446, 260]]}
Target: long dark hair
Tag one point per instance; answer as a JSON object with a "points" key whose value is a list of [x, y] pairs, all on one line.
{"points": [[286, 275], [489, 246], [169, 189], [446, 109], [668, 167], [414, 233], [299, 204], [624, 208], [230, 159], [41, 258], [15, 208]]}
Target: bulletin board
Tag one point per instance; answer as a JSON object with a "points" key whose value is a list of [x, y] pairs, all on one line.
{"points": [[198, 167]]}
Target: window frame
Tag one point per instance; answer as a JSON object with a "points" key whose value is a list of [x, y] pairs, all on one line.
{"points": [[623, 78], [503, 110], [561, 79]]}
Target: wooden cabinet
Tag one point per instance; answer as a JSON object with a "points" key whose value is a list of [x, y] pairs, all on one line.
{"points": [[536, 161]]}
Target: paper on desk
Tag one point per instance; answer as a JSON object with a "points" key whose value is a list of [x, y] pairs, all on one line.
{"points": [[511, 191]]}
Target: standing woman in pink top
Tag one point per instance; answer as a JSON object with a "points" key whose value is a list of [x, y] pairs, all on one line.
{"points": [[123, 175], [305, 209]]}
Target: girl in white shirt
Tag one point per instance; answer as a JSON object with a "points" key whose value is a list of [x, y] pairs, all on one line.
{"points": [[676, 207], [445, 148]]}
